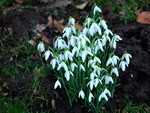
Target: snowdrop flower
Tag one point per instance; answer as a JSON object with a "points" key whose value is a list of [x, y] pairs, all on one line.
{"points": [[107, 32], [103, 23], [62, 64], [91, 83], [88, 52], [73, 29], [72, 41], [57, 83], [75, 50], [96, 9], [66, 31], [113, 43], [85, 31], [94, 28], [103, 95], [115, 70], [61, 57], [81, 94], [69, 55], [88, 21], [90, 97], [106, 91], [60, 43], [82, 67], [98, 42], [83, 55], [117, 37], [110, 61], [115, 58], [73, 65], [72, 21], [47, 54], [67, 75], [96, 59], [127, 56], [41, 47], [97, 81], [104, 40], [90, 62], [122, 65], [53, 63], [108, 79], [92, 75]]}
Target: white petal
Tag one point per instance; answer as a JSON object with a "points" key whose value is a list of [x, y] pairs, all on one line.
{"points": [[57, 83], [96, 9]]}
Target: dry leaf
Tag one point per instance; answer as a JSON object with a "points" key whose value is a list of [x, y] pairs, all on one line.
{"points": [[20, 66], [40, 27], [10, 30], [143, 17], [53, 105], [59, 26], [61, 21], [78, 27], [1, 89], [147, 109], [50, 20], [82, 6], [19, 1], [76, 17], [4, 94], [37, 70], [11, 59], [61, 4], [45, 39], [32, 42]]}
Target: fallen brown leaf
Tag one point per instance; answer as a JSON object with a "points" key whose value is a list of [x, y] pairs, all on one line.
{"points": [[61, 4], [59, 26], [40, 27], [143, 17], [147, 109], [45, 39], [61, 21], [76, 17], [32, 42], [82, 6], [10, 30], [53, 105], [19, 1], [78, 27], [1, 89], [4, 94], [50, 20]]}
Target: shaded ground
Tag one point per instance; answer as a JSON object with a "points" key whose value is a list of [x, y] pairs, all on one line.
{"points": [[136, 41]]}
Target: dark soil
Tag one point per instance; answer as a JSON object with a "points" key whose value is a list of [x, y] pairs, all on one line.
{"points": [[136, 41]]}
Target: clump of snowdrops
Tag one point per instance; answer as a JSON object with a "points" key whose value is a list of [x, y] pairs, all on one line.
{"points": [[84, 62]]}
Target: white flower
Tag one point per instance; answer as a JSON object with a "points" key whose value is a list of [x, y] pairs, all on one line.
{"points": [[108, 79], [113, 43], [85, 31], [122, 65], [75, 50], [60, 43], [73, 65], [57, 83], [67, 75], [94, 28], [41, 47], [81, 94], [97, 81], [98, 42], [103, 23], [96, 59], [69, 55], [117, 37], [82, 67], [115, 70], [62, 64], [90, 97], [90, 62], [107, 32], [110, 61], [61, 57], [127, 56], [88, 20], [47, 54], [92, 75], [106, 91], [73, 29], [53, 63], [103, 95], [115, 58], [83, 55], [96, 9], [91, 83], [72, 21], [66, 31]]}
